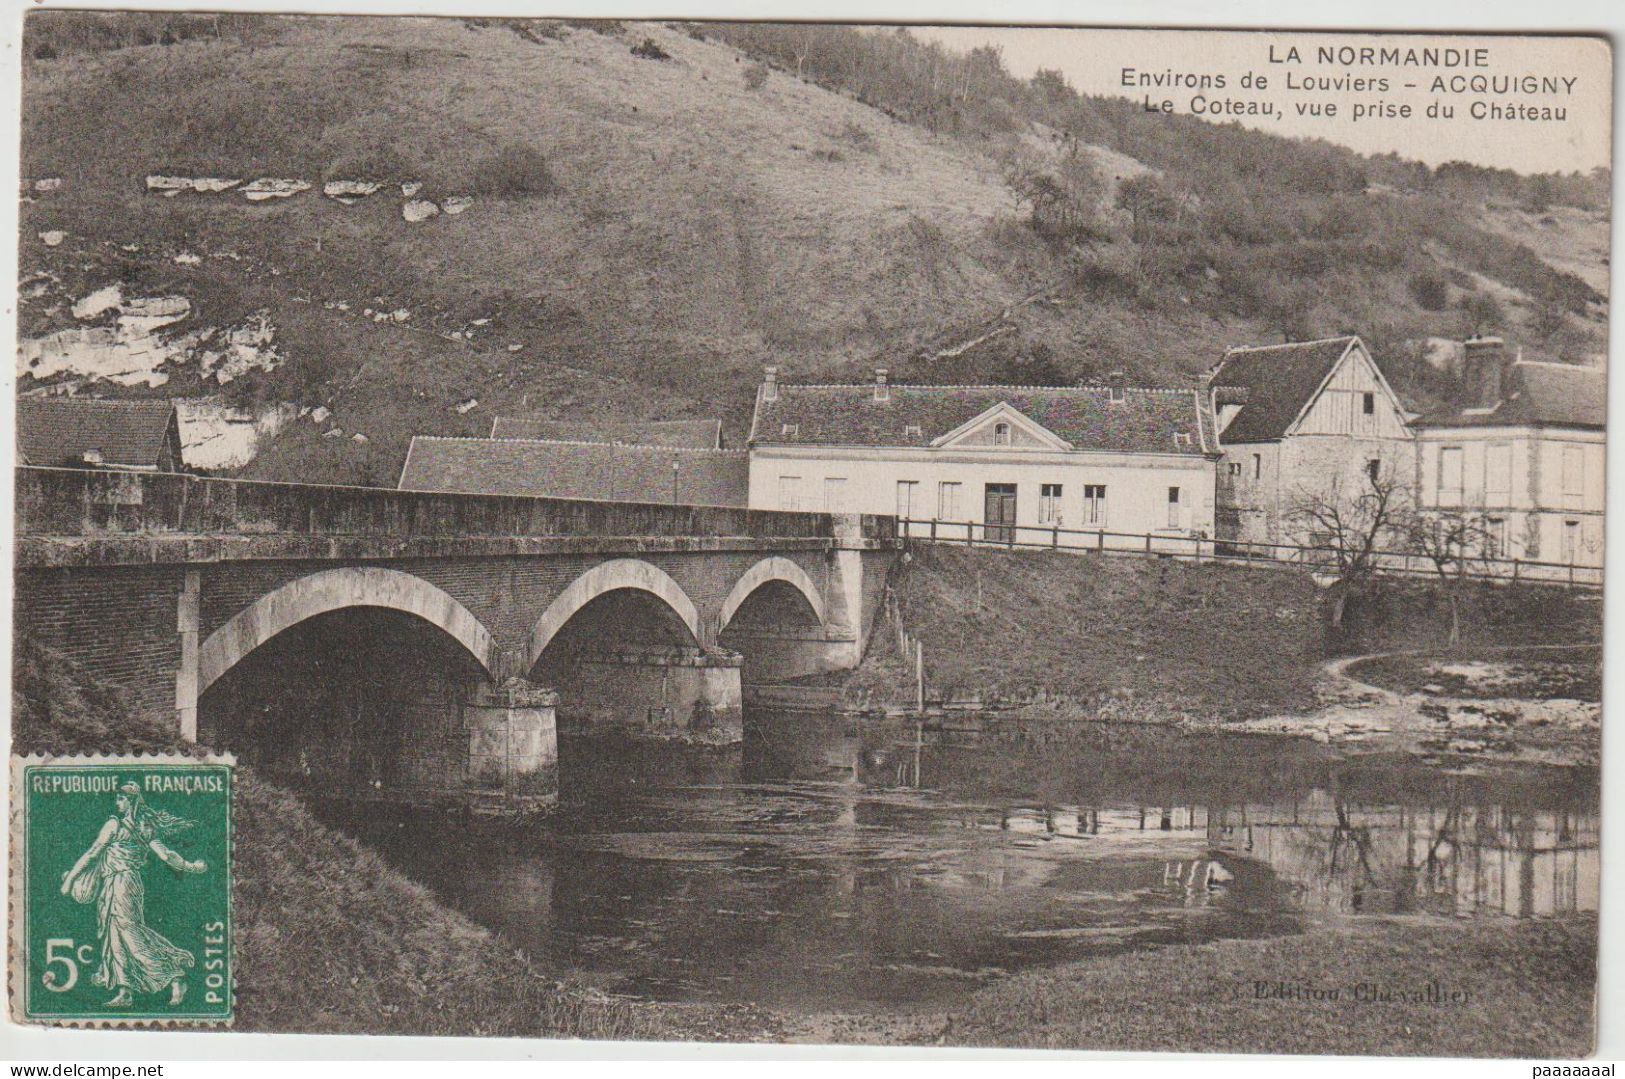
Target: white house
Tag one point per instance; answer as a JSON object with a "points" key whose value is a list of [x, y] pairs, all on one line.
{"points": [[1524, 458], [1300, 422], [999, 463]]}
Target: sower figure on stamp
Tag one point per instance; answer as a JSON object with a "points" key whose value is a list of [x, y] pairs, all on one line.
{"points": [[134, 957]]}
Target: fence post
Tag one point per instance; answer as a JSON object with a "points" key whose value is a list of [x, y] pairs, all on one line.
{"points": [[1100, 541], [1055, 535], [970, 533], [1515, 567], [1148, 543], [933, 530]]}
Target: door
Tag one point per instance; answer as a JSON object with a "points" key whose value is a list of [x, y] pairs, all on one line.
{"points": [[999, 513]]}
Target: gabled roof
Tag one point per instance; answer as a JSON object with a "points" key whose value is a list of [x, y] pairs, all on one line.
{"points": [[595, 470], [1537, 395], [1279, 382], [56, 431], [692, 434], [1009, 414], [1139, 421]]}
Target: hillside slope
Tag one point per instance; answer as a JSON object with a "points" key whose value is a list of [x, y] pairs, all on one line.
{"points": [[647, 226]]}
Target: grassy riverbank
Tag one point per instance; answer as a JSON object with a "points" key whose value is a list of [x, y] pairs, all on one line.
{"points": [[1148, 638], [1530, 992], [330, 939]]}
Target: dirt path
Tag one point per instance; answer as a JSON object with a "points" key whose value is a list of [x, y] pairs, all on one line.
{"points": [[1336, 670], [1360, 715]]}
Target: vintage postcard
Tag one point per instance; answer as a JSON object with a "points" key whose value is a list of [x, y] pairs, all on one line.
{"points": [[809, 533]]}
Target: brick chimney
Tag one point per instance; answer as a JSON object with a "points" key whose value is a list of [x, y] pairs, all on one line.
{"points": [[882, 387], [1483, 365], [770, 383]]}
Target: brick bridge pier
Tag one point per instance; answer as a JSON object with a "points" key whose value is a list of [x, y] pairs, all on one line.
{"points": [[469, 625]]}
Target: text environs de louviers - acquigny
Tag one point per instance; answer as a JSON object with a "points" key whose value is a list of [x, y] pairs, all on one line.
{"points": [[1461, 82]]}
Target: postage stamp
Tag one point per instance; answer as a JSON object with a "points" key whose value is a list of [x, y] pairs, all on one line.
{"points": [[121, 890]]}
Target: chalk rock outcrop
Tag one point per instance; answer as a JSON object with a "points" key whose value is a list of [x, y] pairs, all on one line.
{"points": [[269, 187], [349, 191], [170, 186], [419, 210]]}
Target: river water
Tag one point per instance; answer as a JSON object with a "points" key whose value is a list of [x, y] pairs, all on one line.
{"points": [[820, 867]]}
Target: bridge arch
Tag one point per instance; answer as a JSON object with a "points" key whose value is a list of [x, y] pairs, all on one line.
{"points": [[773, 568], [616, 574], [331, 590]]}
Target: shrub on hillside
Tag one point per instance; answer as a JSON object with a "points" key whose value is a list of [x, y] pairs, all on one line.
{"points": [[1430, 291], [756, 76], [648, 50], [514, 172]]}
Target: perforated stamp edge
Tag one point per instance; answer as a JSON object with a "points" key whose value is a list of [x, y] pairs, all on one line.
{"points": [[17, 888]]}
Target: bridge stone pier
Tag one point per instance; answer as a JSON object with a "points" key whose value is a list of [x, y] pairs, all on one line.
{"points": [[393, 639]]}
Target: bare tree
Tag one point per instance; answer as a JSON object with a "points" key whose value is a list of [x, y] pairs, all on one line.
{"points": [[1451, 542], [1350, 529]]}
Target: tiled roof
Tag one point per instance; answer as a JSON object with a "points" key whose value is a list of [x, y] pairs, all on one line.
{"points": [[1278, 381], [576, 470], [56, 431], [692, 434], [1538, 394], [1141, 421]]}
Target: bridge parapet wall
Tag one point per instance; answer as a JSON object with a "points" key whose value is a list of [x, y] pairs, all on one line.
{"points": [[106, 508]]}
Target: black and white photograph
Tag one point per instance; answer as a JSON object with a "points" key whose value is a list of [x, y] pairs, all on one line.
{"points": [[809, 533]]}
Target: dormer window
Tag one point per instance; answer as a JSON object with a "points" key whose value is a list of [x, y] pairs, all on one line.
{"points": [[1182, 438], [1001, 434], [911, 431], [790, 430]]}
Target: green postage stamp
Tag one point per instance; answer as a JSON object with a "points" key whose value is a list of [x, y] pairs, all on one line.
{"points": [[121, 890]]}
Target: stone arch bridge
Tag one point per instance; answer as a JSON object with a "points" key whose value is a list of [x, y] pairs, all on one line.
{"points": [[185, 592]]}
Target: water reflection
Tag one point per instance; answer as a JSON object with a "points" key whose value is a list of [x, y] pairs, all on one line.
{"points": [[814, 869], [1443, 859]]}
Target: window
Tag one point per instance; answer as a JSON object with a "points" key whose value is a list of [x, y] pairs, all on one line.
{"points": [[834, 494], [1094, 504], [948, 501], [911, 431], [1373, 469], [1233, 469], [1495, 537], [1001, 434], [1258, 466], [1182, 438], [789, 492], [1449, 478], [1173, 507], [1368, 404], [1049, 503], [1498, 471], [1574, 473], [905, 497]]}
